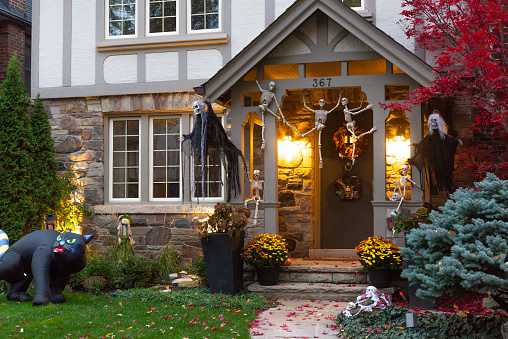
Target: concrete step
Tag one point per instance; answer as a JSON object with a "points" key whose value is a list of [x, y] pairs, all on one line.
{"points": [[333, 253], [312, 291]]}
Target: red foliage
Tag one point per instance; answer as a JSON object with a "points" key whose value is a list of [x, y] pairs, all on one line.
{"points": [[471, 38]]}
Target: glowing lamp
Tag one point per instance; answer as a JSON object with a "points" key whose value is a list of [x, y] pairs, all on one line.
{"points": [[290, 154]]}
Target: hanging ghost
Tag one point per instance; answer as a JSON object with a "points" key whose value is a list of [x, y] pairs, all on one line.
{"points": [[209, 134]]}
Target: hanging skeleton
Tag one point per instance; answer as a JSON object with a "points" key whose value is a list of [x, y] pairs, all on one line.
{"points": [[320, 116], [256, 185], [207, 134], [399, 191], [348, 113], [267, 96]]}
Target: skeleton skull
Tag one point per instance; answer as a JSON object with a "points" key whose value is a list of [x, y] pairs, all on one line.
{"points": [[404, 169], [395, 197], [371, 291], [256, 174], [198, 107], [271, 86], [434, 121], [344, 101], [322, 103]]}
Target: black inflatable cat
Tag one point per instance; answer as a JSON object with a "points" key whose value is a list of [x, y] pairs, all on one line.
{"points": [[46, 256]]}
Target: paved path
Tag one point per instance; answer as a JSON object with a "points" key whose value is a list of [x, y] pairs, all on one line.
{"points": [[300, 319]]}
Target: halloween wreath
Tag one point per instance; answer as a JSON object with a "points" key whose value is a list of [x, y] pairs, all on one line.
{"points": [[344, 142]]}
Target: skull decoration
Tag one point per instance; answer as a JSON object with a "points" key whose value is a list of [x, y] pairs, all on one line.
{"points": [[198, 107], [321, 102], [344, 101], [395, 197], [404, 169], [348, 187]]}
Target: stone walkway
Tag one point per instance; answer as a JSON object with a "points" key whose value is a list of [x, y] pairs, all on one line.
{"points": [[300, 319]]}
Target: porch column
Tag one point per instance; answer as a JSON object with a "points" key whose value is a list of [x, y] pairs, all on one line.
{"points": [[271, 192], [237, 118]]}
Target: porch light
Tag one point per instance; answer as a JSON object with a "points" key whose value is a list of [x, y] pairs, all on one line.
{"points": [[397, 148], [397, 128], [290, 153]]}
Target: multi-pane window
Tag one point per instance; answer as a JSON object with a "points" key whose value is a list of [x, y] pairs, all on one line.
{"points": [[165, 150], [125, 140], [213, 177], [355, 4], [204, 14], [121, 16], [162, 16]]}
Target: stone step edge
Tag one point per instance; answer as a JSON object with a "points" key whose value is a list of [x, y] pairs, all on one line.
{"points": [[310, 269]]}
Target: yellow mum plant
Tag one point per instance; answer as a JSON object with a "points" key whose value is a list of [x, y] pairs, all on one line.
{"points": [[266, 250], [378, 252]]}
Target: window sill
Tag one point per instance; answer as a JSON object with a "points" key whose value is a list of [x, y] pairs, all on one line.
{"points": [[162, 42], [151, 208]]}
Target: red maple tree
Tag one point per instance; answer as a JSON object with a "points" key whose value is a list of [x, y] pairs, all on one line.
{"points": [[470, 41]]}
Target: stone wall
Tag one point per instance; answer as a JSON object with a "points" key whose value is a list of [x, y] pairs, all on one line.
{"points": [[78, 132]]}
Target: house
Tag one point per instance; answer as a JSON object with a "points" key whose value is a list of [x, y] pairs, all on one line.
{"points": [[118, 79], [15, 36]]}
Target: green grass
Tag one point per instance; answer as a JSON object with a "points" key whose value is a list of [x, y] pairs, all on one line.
{"points": [[139, 313]]}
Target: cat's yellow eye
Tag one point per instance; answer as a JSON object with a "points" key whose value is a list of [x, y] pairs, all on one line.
{"points": [[71, 241], [59, 238]]}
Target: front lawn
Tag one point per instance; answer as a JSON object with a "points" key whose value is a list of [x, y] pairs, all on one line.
{"points": [[137, 313]]}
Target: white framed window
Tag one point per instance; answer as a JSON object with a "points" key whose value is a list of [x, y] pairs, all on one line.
{"points": [[204, 16], [355, 4], [164, 170], [162, 17], [121, 18], [124, 157]]}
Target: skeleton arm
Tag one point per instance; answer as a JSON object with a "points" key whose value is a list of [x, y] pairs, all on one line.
{"points": [[333, 109], [359, 110], [305, 105], [258, 85]]}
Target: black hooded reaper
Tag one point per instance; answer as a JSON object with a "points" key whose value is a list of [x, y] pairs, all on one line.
{"points": [[208, 134]]}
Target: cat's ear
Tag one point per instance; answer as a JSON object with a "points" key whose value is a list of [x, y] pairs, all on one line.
{"points": [[88, 238]]}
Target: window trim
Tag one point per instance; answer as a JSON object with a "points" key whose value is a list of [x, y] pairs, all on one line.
{"points": [[147, 21], [106, 23], [212, 30], [110, 159], [150, 159], [360, 8]]}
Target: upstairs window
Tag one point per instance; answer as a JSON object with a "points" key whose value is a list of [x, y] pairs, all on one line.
{"points": [[121, 17], [204, 15], [355, 4], [162, 16]]}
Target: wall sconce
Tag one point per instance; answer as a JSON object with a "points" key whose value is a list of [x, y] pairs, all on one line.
{"points": [[290, 153]]}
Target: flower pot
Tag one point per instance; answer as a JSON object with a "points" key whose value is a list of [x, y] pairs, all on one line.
{"points": [[380, 277], [268, 275], [224, 265]]}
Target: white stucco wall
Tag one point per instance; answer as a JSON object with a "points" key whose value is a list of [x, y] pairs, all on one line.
{"points": [[387, 19], [203, 64], [83, 43], [162, 66], [121, 69], [281, 6], [247, 22], [51, 43]]}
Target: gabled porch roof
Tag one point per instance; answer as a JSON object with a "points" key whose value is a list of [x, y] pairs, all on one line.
{"points": [[290, 20]]}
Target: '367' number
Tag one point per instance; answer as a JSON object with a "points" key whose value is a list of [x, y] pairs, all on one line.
{"points": [[321, 82]]}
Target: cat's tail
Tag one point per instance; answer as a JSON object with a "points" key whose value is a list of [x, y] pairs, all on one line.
{"points": [[4, 243]]}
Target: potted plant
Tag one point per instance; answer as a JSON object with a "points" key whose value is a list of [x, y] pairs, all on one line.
{"points": [[379, 256], [404, 223], [266, 253], [222, 240]]}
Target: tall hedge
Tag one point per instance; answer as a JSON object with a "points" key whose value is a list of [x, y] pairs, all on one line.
{"points": [[16, 206]]}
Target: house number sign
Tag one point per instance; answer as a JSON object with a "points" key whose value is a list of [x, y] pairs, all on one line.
{"points": [[321, 82]]}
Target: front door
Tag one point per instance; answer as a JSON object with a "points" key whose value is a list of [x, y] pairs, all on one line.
{"points": [[344, 223]]}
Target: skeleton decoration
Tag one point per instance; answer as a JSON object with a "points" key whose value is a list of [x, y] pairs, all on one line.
{"points": [[320, 116], [256, 185], [436, 152], [267, 96], [208, 134], [350, 123], [348, 187], [369, 301], [399, 192]]}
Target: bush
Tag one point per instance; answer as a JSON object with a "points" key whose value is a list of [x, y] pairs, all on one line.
{"points": [[133, 272], [169, 261], [94, 284], [391, 323], [199, 268], [97, 265]]}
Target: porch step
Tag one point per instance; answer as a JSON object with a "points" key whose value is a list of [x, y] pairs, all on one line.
{"points": [[312, 291], [333, 253]]}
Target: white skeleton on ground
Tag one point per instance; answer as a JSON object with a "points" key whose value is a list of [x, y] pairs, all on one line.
{"points": [[367, 302], [256, 186], [348, 113], [320, 116]]}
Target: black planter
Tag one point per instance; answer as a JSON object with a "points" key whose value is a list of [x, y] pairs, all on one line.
{"points": [[268, 275], [380, 277], [224, 265]]}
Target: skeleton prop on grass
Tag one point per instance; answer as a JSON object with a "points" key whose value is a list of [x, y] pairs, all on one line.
{"points": [[368, 302], [348, 115], [256, 185], [208, 134], [320, 116]]}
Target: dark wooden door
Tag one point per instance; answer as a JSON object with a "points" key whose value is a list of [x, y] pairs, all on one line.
{"points": [[344, 223]]}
